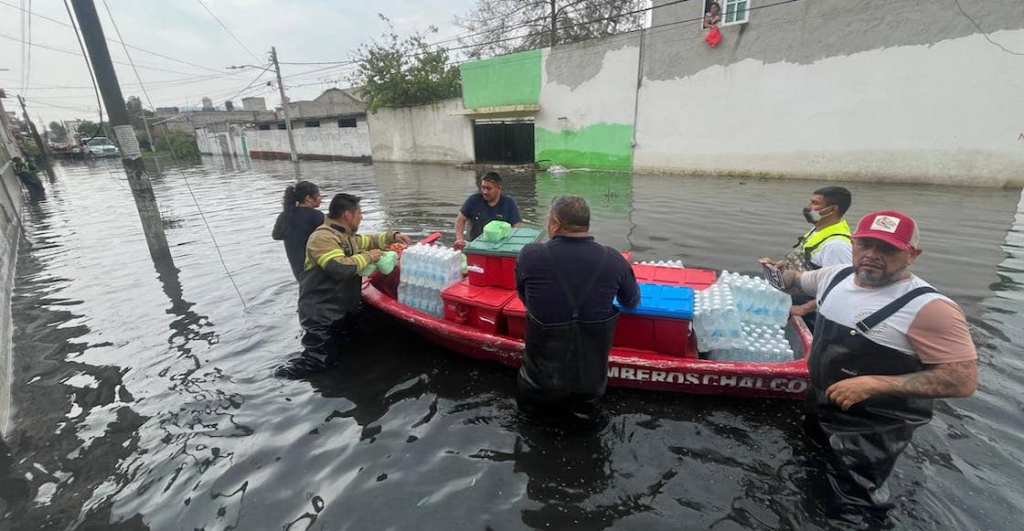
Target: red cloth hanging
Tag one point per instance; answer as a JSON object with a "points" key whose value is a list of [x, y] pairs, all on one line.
{"points": [[714, 37]]}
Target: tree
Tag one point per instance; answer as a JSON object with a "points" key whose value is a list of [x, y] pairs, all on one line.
{"points": [[525, 25], [396, 72], [58, 132]]}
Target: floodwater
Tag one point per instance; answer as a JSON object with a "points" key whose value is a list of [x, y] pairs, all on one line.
{"points": [[143, 395]]}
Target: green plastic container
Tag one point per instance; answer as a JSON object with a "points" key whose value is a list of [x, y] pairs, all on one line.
{"points": [[510, 246]]}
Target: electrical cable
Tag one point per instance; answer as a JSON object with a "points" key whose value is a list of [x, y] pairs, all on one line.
{"points": [[229, 32], [143, 50], [983, 32], [88, 64]]}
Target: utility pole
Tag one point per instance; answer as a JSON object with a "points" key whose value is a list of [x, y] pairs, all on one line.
{"points": [[43, 152], [553, 38], [117, 114], [284, 105]]}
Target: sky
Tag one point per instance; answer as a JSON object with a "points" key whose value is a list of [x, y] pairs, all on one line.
{"points": [[59, 87]]}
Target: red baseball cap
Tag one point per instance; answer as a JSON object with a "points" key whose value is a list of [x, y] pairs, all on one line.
{"points": [[890, 226]]}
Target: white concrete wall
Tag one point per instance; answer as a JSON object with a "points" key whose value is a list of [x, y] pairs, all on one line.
{"points": [[608, 97], [10, 234], [948, 112], [325, 141], [426, 133], [232, 143]]}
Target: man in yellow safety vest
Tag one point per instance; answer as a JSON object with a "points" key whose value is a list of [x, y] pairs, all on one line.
{"points": [[827, 244]]}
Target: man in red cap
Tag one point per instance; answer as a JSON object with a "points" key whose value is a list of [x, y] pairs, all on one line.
{"points": [[886, 344]]}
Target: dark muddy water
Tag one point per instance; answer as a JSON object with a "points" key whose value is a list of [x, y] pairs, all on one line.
{"points": [[142, 393]]}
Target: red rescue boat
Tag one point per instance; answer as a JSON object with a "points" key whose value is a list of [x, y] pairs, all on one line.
{"points": [[627, 367]]}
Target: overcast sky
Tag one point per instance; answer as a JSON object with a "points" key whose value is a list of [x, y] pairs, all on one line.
{"points": [[302, 30]]}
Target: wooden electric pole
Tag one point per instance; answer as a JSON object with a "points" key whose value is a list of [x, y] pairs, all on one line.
{"points": [[43, 152], [284, 105], [117, 114]]}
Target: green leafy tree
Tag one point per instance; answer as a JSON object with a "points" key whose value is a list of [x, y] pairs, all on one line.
{"points": [[58, 132], [396, 72]]}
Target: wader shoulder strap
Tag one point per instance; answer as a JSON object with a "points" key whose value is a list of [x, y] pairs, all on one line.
{"points": [[888, 310], [840, 276], [565, 286]]}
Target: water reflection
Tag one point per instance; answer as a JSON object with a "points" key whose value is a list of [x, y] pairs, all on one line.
{"points": [[140, 412]]}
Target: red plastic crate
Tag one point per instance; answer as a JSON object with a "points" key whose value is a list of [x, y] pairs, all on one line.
{"points": [[476, 306], [697, 279], [499, 271], [515, 318], [664, 336]]}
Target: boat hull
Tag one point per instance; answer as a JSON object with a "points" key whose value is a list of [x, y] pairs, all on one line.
{"points": [[626, 368]]}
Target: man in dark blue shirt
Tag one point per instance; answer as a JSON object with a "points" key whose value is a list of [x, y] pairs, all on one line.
{"points": [[568, 285], [481, 208]]}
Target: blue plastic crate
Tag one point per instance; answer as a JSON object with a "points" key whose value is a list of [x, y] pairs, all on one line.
{"points": [[657, 300]]}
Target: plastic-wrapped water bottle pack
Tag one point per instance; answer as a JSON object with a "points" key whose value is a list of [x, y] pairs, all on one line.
{"points": [[427, 270], [741, 318], [678, 264]]}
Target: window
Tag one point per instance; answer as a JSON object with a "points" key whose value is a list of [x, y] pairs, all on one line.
{"points": [[347, 122], [282, 125], [312, 123], [736, 12], [264, 127]]}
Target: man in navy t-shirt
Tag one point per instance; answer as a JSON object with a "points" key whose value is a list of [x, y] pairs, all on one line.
{"points": [[484, 207]]}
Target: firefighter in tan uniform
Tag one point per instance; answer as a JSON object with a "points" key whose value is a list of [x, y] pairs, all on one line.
{"points": [[330, 288]]}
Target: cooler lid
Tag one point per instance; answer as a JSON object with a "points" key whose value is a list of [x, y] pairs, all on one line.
{"points": [[510, 246], [482, 296], [658, 300], [515, 307], [676, 276]]}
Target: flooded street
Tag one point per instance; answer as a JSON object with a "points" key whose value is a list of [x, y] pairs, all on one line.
{"points": [[143, 396]]}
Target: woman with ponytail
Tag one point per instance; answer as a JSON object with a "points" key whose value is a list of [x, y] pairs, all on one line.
{"points": [[298, 219]]}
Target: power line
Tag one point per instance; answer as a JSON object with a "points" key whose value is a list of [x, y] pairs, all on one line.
{"points": [[28, 50], [88, 64], [136, 48], [229, 32], [983, 32], [251, 83], [71, 52]]}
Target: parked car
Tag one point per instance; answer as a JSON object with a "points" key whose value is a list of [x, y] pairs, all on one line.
{"points": [[100, 147]]}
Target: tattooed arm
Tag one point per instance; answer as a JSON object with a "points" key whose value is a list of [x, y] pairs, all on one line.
{"points": [[945, 380]]}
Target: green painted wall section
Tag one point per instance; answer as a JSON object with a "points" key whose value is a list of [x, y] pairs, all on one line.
{"points": [[604, 146], [507, 80]]}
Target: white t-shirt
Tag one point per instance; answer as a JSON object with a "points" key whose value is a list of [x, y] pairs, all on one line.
{"points": [[834, 252], [847, 304]]}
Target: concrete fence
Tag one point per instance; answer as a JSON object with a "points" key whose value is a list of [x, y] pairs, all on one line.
{"points": [[10, 234], [425, 133]]}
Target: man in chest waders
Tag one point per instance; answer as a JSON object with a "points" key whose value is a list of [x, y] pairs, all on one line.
{"points": [[886, 344], [568, 285]]}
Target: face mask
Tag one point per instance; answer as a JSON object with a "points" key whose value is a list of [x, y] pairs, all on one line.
{"points": [[812, 216]]}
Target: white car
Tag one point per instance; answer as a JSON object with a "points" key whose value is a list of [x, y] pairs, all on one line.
{"points": [[100, 147]]}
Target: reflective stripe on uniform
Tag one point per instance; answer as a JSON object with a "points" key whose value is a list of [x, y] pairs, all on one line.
{"points": [[361, 260], [328, 256]]}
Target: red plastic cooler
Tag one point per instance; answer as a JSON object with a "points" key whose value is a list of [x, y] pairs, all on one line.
{"points": [[494, 263], [661, 323], [697, 279], [476, 306], [515, 317]]}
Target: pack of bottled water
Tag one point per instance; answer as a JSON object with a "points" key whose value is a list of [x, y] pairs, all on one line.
{"points": [[427, 270], [678, 264], [757, 301], [758, 343], [741, 318]]}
